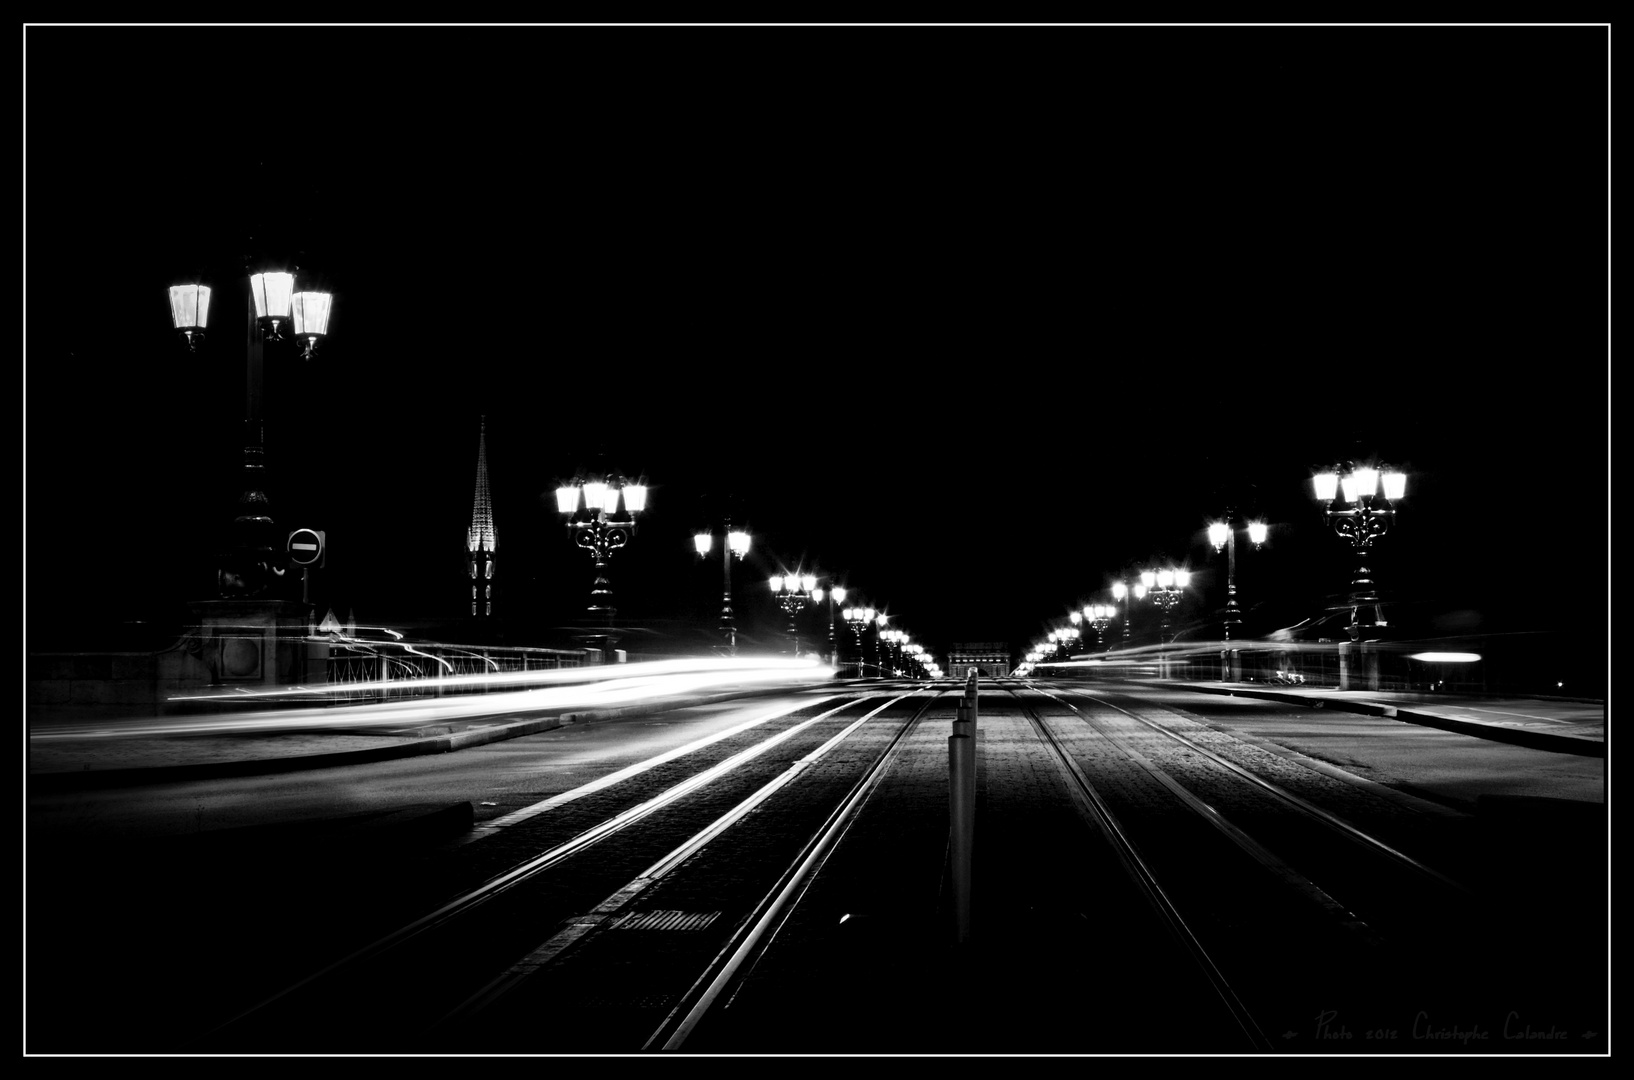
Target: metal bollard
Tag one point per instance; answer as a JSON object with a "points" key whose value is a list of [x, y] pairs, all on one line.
{"points": [[961, 772], [964, 723]]}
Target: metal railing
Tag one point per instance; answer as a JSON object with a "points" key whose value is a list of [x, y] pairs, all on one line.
{"points": [[358, 672]]}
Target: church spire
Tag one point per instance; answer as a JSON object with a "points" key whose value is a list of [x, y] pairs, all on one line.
{"points": [[479, 538]]}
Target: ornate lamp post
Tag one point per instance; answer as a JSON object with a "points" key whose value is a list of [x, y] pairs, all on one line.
{"points": [[1366, 512], [601, 513], [281, 318], [835, 594], [737, 544], [858, 618], [794, 592], [1099, 616], [1128, 595], [916, 659], [894, 642], [1164, 588]]}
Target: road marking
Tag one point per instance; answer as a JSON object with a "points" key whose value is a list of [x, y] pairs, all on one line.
{"points": [[1506, 712]]}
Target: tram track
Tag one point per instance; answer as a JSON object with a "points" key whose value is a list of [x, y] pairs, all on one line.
{"points": [[496, 925], [1395, 937], [781, 885], [1095, 807]]}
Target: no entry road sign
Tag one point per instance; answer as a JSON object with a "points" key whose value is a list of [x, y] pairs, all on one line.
{"points": [[306, 547]]}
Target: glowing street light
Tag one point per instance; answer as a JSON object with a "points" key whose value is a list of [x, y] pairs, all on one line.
{"points": [[1128, 595], [274, 304], [859, 618], [1367, 498], [1099, 616], [601, 513], [793, 593], [1221, 534], [737, 544], [835, 594], [1164, 587]]}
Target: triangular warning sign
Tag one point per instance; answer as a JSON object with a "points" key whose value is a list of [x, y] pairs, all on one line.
{"points": [[330, 624]]}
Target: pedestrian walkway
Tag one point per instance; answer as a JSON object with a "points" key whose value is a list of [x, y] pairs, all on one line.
{"points": [[164, 751], [1563, 725]]}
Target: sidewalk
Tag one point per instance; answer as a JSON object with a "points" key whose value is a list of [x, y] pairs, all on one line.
{"points": [[1560, 725], [66, 759]]}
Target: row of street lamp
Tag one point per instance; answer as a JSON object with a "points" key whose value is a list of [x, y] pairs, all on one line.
{"points": [[600, 512], [1365, 497], [1358, 501]]}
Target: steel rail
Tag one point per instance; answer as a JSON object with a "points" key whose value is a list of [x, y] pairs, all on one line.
{"points": [[1100, 814], [581, 928], [1326, 817], [753, 934], [1290, 877], [532, 867]]}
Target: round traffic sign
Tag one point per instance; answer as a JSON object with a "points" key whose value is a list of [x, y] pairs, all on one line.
{"points": [[305, 547]]}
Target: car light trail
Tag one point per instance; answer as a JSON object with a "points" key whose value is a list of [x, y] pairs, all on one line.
{"points": [[587, 689]]}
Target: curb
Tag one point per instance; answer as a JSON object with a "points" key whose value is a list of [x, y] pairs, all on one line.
{"points": [[1535, 740]]}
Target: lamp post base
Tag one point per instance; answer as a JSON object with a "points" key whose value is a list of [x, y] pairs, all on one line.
{"points": [[259, 643], [602, 645], [1358, 665]]}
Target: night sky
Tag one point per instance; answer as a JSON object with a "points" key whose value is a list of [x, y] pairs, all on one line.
{"points": [[975, 320]]}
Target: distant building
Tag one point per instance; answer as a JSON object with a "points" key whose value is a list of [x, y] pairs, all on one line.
{"points": [[989, 658], [479, 539]]}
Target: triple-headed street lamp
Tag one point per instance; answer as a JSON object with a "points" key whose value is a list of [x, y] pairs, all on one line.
{"points": [[859, 618], [601, 513], [1220, 533], [281, 318], [794, 592], [1366, 512], [1099, 617], [893, 646], [1164, 587], [737, 544]]}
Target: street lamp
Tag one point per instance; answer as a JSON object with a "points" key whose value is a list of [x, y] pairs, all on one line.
{"points": [[1099, 616], [1367, 510], [835, 594], [274, 303], [895, 641], [858, 618], [916, 656], [793, 592], [601, 513], [1221, 534], [1128, 595], [737, 543], [1164, 587]]}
